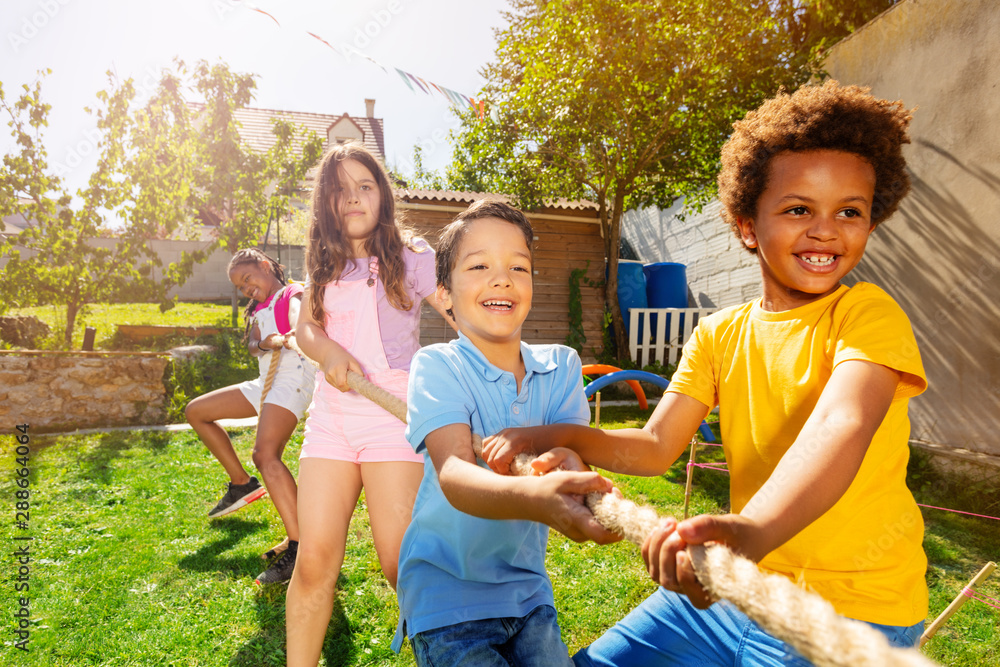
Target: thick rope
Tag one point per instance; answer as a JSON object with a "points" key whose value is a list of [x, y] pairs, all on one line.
{"points": [[787, 611], [272, 372]]}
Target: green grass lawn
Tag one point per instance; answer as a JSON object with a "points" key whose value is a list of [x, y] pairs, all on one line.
{"points": [[105, 318], [128, 570]]}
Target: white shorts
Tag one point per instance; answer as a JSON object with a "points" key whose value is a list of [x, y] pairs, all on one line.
{"points": [[291, 390]]}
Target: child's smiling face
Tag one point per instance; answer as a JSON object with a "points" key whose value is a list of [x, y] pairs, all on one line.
{"points": [[491, 283], [254, 280], [812, 224]]}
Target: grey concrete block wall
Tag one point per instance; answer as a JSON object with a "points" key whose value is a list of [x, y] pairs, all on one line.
{"points": [[210, 282], [719, 272]]}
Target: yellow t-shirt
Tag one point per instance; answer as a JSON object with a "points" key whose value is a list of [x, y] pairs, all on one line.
{"points": [[766, 372]]}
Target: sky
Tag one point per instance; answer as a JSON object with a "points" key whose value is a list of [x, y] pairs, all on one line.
{"points": [[447, 42]]}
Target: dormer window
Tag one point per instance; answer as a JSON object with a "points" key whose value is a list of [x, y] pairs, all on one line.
{"points": [[344, 129]]}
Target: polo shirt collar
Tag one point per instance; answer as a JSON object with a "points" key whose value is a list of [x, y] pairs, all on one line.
{"points": [[533, 363]]}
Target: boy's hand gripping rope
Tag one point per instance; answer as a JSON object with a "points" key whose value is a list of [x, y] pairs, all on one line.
{"points": [[791, 613]]}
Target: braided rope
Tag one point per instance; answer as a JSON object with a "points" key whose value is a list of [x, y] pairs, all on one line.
{"points": [[272, 372], [785, 610]]}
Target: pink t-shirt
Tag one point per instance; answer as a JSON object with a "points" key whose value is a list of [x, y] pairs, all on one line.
{"points": [[400, 329], [281, 308]]}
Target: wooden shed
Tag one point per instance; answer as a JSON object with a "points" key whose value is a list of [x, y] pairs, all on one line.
{"points": [[567, 237]]}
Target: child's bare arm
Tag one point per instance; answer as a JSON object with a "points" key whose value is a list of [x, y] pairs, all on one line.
{"points": [[810, 478], [333, 359], [646, 451], [554, 499]]}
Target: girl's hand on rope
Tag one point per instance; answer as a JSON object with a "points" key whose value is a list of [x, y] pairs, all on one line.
{"points": [[272, 342], [336, 365], [670, 565], [559, 504]]}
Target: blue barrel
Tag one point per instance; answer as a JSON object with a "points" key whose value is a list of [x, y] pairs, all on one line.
{"points": [[632, 289], [666, 285]]}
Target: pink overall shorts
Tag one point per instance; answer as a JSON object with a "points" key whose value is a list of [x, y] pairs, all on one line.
{"points": [[346, 426]]}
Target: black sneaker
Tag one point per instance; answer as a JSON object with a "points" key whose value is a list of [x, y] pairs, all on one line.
{"points": [[281, 571], [237, 496]]}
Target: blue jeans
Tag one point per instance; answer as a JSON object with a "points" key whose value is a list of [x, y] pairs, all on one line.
{"points": [[666, 629], [495, 642]]}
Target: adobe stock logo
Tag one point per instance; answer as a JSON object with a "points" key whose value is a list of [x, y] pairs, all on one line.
{"points": [[32, 25]]}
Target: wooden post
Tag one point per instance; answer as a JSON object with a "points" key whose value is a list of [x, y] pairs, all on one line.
{"points": [[957, 603], [597, 410], [690, 474]]}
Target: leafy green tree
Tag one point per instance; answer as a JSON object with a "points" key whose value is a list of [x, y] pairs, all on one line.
{"points": [[628, 103], [421, 178], [162, 165], [240, 188], [61, 258]]}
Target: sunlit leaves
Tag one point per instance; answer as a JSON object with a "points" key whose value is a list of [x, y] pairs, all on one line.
{"points": [[161, 166]]}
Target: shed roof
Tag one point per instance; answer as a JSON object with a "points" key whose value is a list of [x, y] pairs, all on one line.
{"points": [[464, 197]]}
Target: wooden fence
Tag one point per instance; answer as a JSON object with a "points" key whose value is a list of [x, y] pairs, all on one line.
{"points": [[660, 333]]}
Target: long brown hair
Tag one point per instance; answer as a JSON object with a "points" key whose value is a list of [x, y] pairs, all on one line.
{"points": [[254, 256], [329, 250]]}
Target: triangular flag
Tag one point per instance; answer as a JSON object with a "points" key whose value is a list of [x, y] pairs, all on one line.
{"points": [[261, 11], [417, 81], [402, 75], [480, 107], [311, 34], [456, 100], [438, 88]]}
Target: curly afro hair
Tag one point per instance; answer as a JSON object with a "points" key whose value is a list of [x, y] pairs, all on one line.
{"points": [[829, 116]]}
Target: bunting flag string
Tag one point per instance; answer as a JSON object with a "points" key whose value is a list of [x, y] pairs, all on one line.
{"points": [[412, 81]]}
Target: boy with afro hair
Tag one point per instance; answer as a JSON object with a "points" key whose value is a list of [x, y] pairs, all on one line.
{"points": [[812, 381]]}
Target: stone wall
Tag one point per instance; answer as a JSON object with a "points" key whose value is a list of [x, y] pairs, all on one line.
{"points": [[55, 391]]}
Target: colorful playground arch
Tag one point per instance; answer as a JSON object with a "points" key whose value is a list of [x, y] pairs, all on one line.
{"points": [[633, 377], [603, 369]]}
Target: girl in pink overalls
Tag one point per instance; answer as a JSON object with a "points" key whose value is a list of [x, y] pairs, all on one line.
{"points": [[367, 277]]}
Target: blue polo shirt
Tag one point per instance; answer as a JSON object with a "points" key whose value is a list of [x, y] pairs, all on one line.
{"points": [[454, 567]]}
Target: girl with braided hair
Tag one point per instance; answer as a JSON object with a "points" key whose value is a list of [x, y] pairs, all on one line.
{"points": [[279, 396]]}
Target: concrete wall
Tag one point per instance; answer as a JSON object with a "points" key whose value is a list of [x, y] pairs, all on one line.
{"points": [[53, 391], [939, 256], [210, 282], [719, 272]]}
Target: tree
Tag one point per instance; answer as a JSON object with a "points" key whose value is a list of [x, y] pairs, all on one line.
{"points": [[242, 189], [627, 103], [58, 258], [160, 167]]}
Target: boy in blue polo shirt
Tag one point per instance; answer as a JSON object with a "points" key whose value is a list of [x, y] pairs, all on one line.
{"points": [[472, 584]]}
